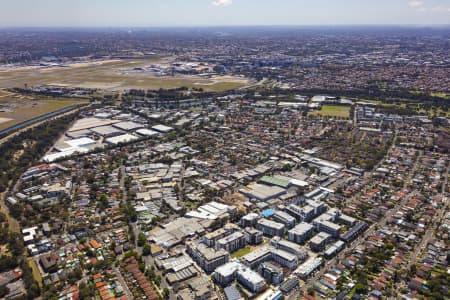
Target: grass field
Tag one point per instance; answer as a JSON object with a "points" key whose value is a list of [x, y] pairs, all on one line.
{"points": [[113, 75], [241, 252], [332, 111], [19, 108], [36, 274]]}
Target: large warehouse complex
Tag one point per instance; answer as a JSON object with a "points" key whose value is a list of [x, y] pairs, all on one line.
{"points": [[102, 130]]}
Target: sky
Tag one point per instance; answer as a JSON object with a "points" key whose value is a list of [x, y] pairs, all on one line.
{"points": [[162, 13]]}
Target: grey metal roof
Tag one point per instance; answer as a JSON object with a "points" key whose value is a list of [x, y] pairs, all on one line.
{"points": [[232, 293]]}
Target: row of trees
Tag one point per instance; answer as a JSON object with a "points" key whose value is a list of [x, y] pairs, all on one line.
{"points": [[30, 145]]}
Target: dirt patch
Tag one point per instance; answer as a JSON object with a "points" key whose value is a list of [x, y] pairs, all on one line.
{"points": [[3, 120], [236, 199]]}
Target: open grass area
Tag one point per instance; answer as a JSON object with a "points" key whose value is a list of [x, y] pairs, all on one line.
{"points": [[223, 86], [113, 75], [241, 252], [17, 108], [431, 113], [378, 102], [414, 106], [210, 85], [441, 95], [334, 111], [36, 274]]}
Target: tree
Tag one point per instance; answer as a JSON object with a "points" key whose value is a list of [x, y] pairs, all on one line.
{"points": [[16, 210], [413, 270], [7, 263], [166, 293], [50, 294], [158, 280], [361, 288], [4, 235], [151, 273], [130, 212], [146, 250], [103, 201], [3, 291], [86, 291], [74, 276], [142, 239], [142, 266], [2, 217], [15, 243]]}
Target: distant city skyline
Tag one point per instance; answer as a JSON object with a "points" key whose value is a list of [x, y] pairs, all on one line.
{"points": [[176, 13]]}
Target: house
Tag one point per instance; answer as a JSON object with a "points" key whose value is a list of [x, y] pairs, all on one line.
{"points": [[49, 261]]}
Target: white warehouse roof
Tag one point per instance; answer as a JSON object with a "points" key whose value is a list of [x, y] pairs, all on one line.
{"points": [[81, 142], [128, 126], [124, 138], [147, 132], [162, 128]]}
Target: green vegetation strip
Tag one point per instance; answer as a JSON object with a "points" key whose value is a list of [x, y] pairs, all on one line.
{"points": [[241, 252], [36, 274]]}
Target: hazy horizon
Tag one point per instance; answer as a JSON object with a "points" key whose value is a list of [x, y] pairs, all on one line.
{"points": [[235, 26], [222, 13]]}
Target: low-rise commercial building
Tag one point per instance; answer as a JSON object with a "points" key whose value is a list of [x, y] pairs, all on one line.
{"points": [[285, 259], [334, 249], [290, 247], [207, 258], [353, 233], [232, 242], [256, 257], [284, 218], [289, 285], [347, 220], [249, 220], [271, 273], [210, 238], [308, 267], [251, 280], [253, 236], [319, 241], [226, 273], [300, 233], [261, 192], [270, 228], [328, 227]]}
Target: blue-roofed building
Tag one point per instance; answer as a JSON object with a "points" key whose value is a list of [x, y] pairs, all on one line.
{"points": [[268, 212]]}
